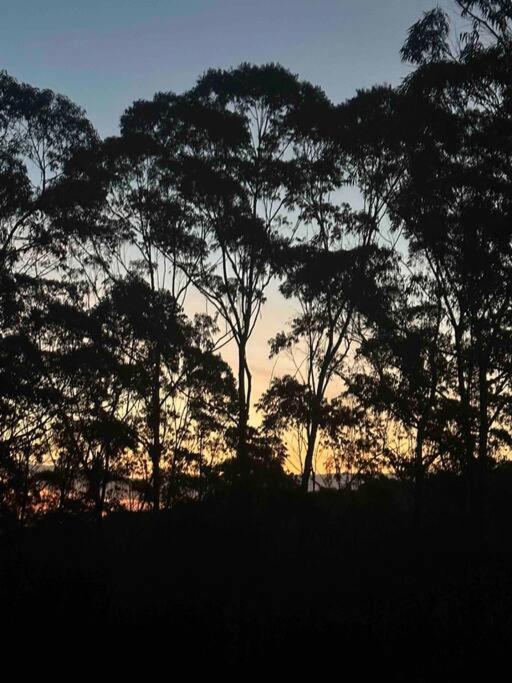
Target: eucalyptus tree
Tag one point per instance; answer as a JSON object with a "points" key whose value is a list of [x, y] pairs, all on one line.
{"points": [[335, 266], [241, 196], [402, 373], [196, 388], [286, 408], [353, 442], [40, 133], [144, 242], [26, 399], [89, 378], [455, 208]]}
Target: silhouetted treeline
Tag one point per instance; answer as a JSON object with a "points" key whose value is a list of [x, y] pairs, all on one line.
{"points": [[386, 221]]}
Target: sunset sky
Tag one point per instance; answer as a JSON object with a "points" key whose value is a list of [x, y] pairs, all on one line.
{"points": [[103, 54]]}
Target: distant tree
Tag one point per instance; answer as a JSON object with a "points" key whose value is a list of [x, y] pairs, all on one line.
{"points": [[286, 408], [347, 440], [353, 442]]}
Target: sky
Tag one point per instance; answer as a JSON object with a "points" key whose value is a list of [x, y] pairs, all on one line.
{"points": [[104, 54]]}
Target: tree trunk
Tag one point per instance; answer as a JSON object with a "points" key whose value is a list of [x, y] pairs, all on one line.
{"points": [[156, 446], [243, 416], [467, 437], [104, 483], [483, 447], [308, 461]]}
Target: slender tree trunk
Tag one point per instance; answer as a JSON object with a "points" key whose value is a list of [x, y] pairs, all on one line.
{"points": [[308, 460], [483, 433], [104, 484], [315, 419], [467, 437], [243, 416], [156, 446], [169, 498], [25, 490], [483, 441], [201, 483]]}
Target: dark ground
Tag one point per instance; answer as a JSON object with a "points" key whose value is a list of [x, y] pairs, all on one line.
{"points": [[339, 579]]}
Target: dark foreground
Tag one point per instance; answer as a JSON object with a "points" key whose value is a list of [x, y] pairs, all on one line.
{"points": [[334, 579]]}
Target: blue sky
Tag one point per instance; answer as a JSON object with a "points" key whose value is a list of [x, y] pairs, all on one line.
{"points": [[104, 54]]}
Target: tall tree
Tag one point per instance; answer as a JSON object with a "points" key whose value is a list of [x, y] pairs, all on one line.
{"points": [[334, 268], [240, 196], [455, 208], [148, 239], [40, 132]]}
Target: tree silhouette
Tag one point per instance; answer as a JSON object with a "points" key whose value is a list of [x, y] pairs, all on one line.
{"points": [[455, 207], [334, 270], [195, 386], [90, 432], [40, 132], [240, 197], [404, 355], [148, 241]]}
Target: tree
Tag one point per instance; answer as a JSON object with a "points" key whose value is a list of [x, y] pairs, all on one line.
{"points": [[333, 270], [240, 196], [90, 430], [455, 209], [352, 442], [195, 387], [286, 408], [403, 374], [40, 132], [26, 399], [143, 248]]}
